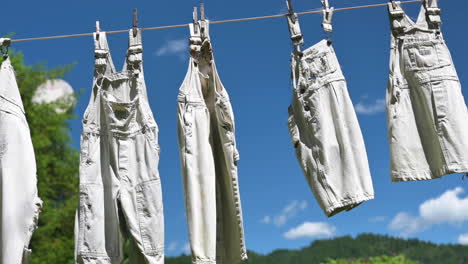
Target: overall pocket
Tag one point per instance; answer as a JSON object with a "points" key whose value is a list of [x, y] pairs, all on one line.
{"points": [[318, 65], [150, 216], [426, 55]]}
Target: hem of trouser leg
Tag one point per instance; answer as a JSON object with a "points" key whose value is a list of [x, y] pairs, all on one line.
{"points": [[84, 259], [31, 228], [204, 261], [348, 204], [244, 256], [428, 175]]}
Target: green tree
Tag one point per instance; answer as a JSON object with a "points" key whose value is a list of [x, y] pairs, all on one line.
{"points": [[375, 260], [57, 166]]}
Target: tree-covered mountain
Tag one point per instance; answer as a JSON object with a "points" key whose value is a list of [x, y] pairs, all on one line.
{"points": [[362, 247]]}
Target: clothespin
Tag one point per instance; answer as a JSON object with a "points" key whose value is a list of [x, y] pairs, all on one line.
{"points": [[4, 44], [327, 16], [202, 20], [98, 29], [195, 37], [135, 22], [202, 11], [294, 28], [195, 20], [200, 25]]}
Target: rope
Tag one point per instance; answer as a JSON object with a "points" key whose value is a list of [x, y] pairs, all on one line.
{"points": [[211, 22]]}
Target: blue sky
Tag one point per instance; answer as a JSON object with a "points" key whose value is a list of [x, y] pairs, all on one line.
{"points": [[253, 62]]}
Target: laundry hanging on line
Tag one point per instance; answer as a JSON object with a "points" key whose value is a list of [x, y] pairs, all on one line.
{"points": [[120, 188], [426, 112], [423, 88], [20, 204], [323, 125], [209, 156]]}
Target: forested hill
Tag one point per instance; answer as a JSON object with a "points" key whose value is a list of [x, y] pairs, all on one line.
{"points": [[363, 246]]}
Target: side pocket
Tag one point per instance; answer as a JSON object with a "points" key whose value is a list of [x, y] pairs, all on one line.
{"points": [[225, 114], [150, 216], [151, 135], [439, 103], [188, 128], [89, 146], [225, 117], [293, 130]]}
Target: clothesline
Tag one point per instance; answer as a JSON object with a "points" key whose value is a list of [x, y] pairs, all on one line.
{"points": [[211, 22]]}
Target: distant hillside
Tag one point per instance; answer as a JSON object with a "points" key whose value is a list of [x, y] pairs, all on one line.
{"points": [[363, 246]]}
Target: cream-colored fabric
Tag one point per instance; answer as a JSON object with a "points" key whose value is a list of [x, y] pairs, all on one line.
{"points": [[426, 112], [209, 161], [326, 133], [19, 203], [120, 188]]}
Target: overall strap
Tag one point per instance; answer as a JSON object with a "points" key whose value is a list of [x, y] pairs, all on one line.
{"points": [[135, 50], [432, 14], [102, 59], [397, 17]]}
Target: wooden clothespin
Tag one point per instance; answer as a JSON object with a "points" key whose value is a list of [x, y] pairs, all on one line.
{"points": [[327, 16], [199, 25], [202, 20], [98, 29], [195, 20], [291, 11], [135, 22], [202, 12]]}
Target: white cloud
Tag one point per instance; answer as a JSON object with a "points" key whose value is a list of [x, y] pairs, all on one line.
{"points": [[303, 205], [172, 246], [289, 212], [177, 47], [265, 220], [311, 230], [186, 249], [370, 109], [448, 208], [377, 219], [463, 239]]}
